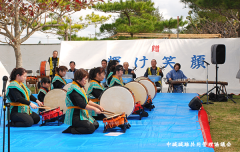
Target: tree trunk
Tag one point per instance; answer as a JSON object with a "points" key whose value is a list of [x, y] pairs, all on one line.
{"points": [[18, 56], [238, 30], [17, 35]]}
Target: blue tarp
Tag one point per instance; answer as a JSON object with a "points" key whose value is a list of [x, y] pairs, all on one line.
{"points": [[171, 126]]}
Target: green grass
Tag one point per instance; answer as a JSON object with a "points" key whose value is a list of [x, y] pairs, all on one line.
{"points": [[225, 123]]}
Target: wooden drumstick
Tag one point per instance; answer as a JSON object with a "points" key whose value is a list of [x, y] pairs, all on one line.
{"points": [[44, 108], [111, 114], [108, 111]]}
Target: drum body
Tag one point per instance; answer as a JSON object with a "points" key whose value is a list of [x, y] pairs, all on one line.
{"points": [[139, 91], [56, 98], [118, 99], [152, 90], [44, 68], [67, 86]]}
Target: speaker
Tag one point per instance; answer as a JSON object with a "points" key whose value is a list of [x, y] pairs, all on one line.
{"points": [[195, 103], [218, 54]]}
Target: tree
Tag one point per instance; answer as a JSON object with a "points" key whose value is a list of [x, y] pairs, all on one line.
{"points": [[69, 26], [135, 16], [218, 14], [19, 19]]}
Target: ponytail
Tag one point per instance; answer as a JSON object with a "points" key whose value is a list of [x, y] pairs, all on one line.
{"points": [[93, 73], [60, 68]]}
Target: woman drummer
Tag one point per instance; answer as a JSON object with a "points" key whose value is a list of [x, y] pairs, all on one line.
{"points": [[117, 76], [110, 69], [95, 89], [58, 81], [78, 105], [19, 97]]}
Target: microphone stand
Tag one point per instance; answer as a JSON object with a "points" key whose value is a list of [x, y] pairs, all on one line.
{"points": [[207, 82], [4, 117]]}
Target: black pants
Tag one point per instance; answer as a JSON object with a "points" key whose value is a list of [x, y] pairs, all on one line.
{"points": [[99, 117], [81, 126], [23, 119]]}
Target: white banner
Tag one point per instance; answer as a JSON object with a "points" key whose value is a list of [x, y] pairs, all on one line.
{"points": [[188, 52]]}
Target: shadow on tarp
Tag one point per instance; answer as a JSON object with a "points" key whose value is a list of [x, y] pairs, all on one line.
{"points": [[171, 126]]}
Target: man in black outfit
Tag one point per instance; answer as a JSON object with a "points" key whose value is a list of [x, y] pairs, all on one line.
{"points": [[72, 67], [127, 70]]}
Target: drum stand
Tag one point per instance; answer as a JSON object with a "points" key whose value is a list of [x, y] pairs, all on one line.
{"points": [[58, 118], [124, 127], [149, 105], [139, 112]]}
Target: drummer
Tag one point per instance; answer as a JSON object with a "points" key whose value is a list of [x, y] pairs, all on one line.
{"points": [[175, 74], [154, 70], [117, 76], [95, 89], [45, 84], [19, 97], [127, 70], [110, 69], [78, 105], [58, 81]]}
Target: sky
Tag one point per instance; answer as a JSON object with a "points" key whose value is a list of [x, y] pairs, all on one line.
{"points": [[168, 8]]}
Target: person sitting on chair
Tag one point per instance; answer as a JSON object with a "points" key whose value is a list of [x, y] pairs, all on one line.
{"points": [[154, 70], [72, 67], [175, 74], [126, 70]]}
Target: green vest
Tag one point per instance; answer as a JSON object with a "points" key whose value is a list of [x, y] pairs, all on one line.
{"points": [[93, 85], [57, 77], [114, 79], [21, 109], [83, 115]]}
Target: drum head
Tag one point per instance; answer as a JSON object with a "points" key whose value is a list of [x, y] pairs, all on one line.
{"points": [[140, 78], [47, 69], [56, 98], [118, 99], [150, 87], [67, 86], [139, 91]]}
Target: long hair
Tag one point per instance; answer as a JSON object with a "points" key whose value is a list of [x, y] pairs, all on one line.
{"points": [[93, 73], [60, 68], [43, 80], [17, 71], [117, 68], [111, 66]]}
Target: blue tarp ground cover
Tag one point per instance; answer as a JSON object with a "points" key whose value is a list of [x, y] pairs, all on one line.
{"points": [[171, 126]]}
